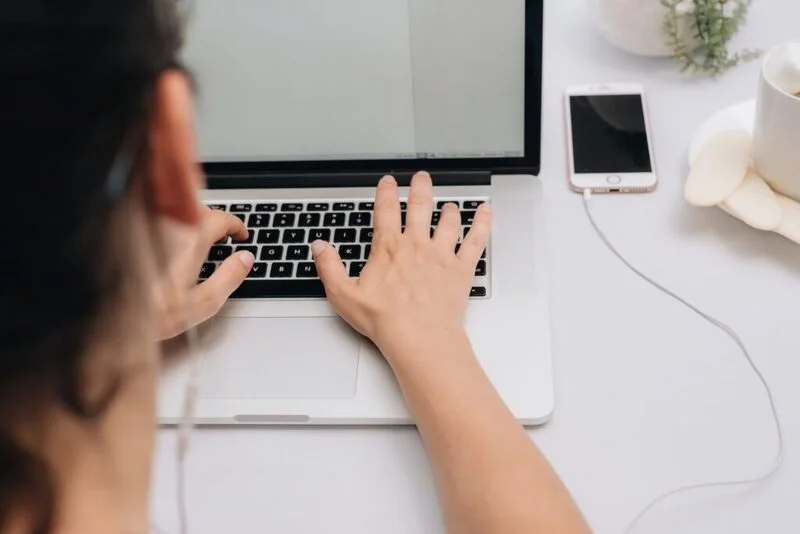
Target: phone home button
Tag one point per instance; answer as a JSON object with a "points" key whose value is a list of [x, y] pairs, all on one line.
{"points": [[614, 179]]}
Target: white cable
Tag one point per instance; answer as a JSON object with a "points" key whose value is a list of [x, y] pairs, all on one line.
{"points": [[735, 337], [186, 424]]}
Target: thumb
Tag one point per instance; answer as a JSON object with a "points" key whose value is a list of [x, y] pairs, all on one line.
{"points": [[330, 268], [212, 294]]}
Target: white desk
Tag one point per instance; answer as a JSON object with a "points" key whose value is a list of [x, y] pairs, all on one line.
{"points": [[649, 397]]}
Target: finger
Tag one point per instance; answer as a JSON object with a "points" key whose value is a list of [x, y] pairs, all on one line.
{"points": [[330, 269], [478, 237], [387, 212], [210, 295], [220, 225], [449, 229], [420, 205]]}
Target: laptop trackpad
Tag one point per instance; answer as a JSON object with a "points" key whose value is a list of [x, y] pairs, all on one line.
{"points": [[280, 358]]}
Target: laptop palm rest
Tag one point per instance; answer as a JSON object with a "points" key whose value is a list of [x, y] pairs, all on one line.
{"points": [[279, 358]]}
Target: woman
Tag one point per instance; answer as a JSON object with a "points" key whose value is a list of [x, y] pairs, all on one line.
{"points": [[108, 236]]}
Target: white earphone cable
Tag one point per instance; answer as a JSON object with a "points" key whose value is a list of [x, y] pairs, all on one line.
{"points": [[196, 356], [735, 337]]}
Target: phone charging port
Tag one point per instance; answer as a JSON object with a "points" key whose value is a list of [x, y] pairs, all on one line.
{"points": [[617, 190]]}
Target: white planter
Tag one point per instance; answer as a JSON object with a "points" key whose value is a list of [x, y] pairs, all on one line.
{"points": [[637, 26]]}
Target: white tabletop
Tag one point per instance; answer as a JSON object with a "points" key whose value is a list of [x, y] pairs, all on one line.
{"points": [[649, 397]]}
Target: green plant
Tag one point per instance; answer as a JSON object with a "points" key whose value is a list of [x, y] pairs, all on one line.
{"points": [[713, 23]]}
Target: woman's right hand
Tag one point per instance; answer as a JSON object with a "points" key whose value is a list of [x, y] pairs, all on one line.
{"points": [[413, 286]]}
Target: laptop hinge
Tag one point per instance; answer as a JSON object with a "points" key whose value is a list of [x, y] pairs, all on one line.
{"points": [[357, 179]]}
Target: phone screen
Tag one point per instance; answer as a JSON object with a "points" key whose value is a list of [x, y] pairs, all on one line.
{"points": [[609, 134]]}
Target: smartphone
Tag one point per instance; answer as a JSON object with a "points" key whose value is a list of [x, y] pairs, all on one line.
{"points": [[609, 139]]}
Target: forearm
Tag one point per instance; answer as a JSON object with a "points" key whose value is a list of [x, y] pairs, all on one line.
{"points": [[491, 477]]}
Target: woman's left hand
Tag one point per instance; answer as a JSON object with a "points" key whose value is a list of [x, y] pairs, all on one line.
{"points": [[181, 302]]}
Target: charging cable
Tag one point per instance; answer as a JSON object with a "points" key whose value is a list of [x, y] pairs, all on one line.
{"points": [[587, 195]]}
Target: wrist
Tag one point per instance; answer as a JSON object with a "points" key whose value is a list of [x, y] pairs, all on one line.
{"points": [[401, 345]]}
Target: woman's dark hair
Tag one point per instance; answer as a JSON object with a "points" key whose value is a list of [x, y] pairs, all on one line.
{"points": [[76, 78]]}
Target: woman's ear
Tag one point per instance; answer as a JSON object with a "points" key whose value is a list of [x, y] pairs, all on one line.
{"points": [[171, 165]]}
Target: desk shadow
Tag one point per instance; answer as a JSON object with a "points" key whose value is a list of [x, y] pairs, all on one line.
{"points": [[739, 238]]}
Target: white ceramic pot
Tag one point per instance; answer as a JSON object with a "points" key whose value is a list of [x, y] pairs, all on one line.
{"points": [[638, 26]]}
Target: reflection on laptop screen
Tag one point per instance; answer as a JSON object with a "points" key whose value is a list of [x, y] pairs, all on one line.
{"points": [[285, 80]]}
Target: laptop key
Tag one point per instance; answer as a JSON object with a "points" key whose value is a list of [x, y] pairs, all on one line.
{"points": [[272, 253], [344, 206], [219, 253], [403, 205], [307, 270], [360, 218], [307, 220], [437, 215], [344, 235], [247, 240], [242, 208], [207, 270], [266, 208], [258, 220], [472, 205], [477, 292], [350, 252], [367, 251], [334, 219], [440, 205], [268, 236], [282, 220], [293, 206], [318, 206], [251, 250], [467, 217], [297, 252], [281, 270], [366, 235], [356, 267], [280, 289], [294, 236], [220, 207], [319, 234], [259, 270], [366, 206], [241, 216], [480, 270]]}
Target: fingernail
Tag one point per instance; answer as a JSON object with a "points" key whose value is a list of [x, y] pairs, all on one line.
{"points": [[387, 180], [317, 247], [247, 259]]}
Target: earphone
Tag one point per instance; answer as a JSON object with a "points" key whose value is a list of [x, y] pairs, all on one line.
{"points": [[587, 195]]}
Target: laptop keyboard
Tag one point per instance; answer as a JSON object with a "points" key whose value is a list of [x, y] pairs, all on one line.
{"points": [[281, 234]]}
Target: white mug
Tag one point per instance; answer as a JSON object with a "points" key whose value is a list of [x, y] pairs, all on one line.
{"points": [[776, 149]]}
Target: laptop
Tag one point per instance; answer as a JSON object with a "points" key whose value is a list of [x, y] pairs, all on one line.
{"points": [[302, 106]]}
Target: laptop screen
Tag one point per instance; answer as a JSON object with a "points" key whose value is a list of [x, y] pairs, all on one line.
{"points": [[328, 80]]}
